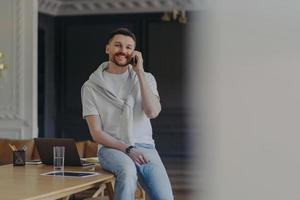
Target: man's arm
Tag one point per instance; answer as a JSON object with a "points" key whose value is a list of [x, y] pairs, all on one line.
{"points": [[150, 102], [101, 137]]}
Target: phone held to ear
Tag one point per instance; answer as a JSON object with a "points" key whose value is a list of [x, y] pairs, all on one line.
{"points": [[133, 60]]}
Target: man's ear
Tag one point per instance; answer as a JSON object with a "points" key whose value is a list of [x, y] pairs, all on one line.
{"points": [[107, 49]]}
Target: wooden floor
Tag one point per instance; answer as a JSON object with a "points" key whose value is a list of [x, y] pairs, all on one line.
{"points": [[181, 177]]}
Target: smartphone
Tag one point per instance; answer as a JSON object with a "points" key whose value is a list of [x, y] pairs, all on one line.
{"points": [[133, 60]]}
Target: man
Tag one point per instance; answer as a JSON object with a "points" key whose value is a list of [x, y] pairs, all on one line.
{"points": [[118, 100]]}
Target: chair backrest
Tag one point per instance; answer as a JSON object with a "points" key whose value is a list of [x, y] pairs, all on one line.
{"points": [[6, 152], [91, 149], [85, 149]]}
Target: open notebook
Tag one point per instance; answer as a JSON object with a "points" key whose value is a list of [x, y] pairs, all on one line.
{"points": [[91, 160]]}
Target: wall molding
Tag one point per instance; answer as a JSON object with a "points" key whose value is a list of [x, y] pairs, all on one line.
{"points": [[13, 132], [13, 110], [18, 109], [83, 7]]}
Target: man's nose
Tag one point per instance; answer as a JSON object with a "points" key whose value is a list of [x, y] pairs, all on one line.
{"points": [[121, 49], [124, 50]]}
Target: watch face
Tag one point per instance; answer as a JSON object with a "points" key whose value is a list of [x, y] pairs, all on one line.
{"points": [[128, 149]]}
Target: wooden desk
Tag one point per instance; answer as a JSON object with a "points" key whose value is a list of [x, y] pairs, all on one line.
{"points": [[25, 182]]}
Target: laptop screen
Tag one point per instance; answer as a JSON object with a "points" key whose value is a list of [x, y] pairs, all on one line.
{"points": [[45, 150]]}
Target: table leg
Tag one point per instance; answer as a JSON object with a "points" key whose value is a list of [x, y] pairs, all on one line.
{"points": [[99, 191], [66, 198], [110, 190]]}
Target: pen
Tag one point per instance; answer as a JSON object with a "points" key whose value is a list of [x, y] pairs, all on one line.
{"points": [[13, 148], [24, 148]]}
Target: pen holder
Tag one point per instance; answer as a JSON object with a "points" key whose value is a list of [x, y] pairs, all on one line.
{"points": [[19, 158]]}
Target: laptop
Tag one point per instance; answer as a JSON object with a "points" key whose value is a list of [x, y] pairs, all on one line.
{"points": [[45, 150]]}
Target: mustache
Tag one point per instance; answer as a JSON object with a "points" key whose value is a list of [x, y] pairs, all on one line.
{"points": [[123, 54]]}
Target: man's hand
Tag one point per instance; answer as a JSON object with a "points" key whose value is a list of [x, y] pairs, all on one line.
{"points": [[150, 102], [139, 65], [138, 157]]}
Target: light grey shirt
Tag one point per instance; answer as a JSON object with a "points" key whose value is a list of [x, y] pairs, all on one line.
{"points": [[116, 98]]}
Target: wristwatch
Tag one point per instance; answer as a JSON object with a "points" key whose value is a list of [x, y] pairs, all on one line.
{"points": [[128, 149]]}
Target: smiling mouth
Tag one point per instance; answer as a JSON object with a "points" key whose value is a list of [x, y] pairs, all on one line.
{"points": [[121, 60], [121, 56]]}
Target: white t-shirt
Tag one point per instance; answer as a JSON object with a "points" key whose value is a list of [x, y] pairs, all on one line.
{"points": [[92, 104]]}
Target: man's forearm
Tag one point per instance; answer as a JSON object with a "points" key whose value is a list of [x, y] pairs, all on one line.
{"points": [[101, 137], [109, 141], [150, 101]]}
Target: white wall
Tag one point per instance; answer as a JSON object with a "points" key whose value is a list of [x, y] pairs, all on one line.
{"points": [[248, 100], [18, 85]]}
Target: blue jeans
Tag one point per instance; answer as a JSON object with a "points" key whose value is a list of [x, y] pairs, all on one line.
{"points": [[151, 176]]}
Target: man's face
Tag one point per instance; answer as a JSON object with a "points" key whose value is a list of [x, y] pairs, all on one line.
{"points": [[120, 49]]}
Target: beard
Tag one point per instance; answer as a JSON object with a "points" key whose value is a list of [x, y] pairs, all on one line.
{"points": [[116, 62]]}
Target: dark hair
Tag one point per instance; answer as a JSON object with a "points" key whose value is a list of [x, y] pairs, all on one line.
{"points": [[121, 31]]}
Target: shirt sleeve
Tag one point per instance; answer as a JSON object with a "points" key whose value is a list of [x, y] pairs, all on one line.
{"points": [[88, 102], [152, 83]]}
